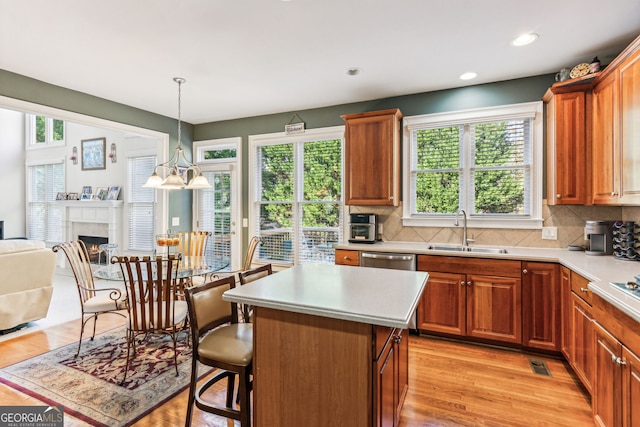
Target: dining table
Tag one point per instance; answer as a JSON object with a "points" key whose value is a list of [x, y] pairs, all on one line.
{"points": [[189, 267]]}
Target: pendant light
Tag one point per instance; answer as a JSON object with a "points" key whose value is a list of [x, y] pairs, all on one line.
{"points": [[178, 171]]}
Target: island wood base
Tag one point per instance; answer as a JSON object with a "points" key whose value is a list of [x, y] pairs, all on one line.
{"points": [[318, 371]]}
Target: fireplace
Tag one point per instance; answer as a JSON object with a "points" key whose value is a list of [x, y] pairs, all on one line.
{"points": [[93, 248]]}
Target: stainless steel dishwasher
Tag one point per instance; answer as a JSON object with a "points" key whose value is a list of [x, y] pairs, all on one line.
{"points": [[394, 261]]}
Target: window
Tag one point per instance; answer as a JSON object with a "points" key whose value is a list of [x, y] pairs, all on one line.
{"points": [[44, 216], [297, 195], [141, 202], [486, 161], [44, 131]]}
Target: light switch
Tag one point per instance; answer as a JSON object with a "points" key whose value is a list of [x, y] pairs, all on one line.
{"points": [[245, 222], [175, 221]]}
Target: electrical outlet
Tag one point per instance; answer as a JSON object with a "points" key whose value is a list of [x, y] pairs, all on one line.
{"points": [[550, 233], [175, 221], [245, 222]]}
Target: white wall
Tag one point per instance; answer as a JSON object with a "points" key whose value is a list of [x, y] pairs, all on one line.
{"points": [[12, 160]]}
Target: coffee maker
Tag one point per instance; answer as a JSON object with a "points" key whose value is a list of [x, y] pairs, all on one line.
{"points": [[599, 237]]}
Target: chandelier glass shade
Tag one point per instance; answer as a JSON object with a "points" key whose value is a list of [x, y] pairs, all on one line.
{"points": [[178, 167]]}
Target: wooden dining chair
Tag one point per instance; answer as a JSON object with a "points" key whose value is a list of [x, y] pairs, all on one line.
{"points": [[93, 301], [219, 341], [152, 303], [248, 277], [192, 246]]}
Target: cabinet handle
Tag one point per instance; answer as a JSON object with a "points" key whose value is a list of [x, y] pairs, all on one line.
{"points": [[390, 197], [469, 283], [558, 196], [620, 361], [585, 290], [462, 282], [397, 339], [613, 193], [525, 271]]}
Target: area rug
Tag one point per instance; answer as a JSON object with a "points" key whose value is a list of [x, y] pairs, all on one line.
{"points": [[89, 386]]}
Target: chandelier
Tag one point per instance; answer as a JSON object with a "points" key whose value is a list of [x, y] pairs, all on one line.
{"points": [[178, 166]]}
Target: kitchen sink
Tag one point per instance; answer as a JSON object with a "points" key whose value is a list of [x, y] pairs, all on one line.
{"points": [[458, 248]]}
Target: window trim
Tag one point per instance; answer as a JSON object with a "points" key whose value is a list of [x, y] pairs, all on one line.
{"points": [[30, 132], [277, 138], [532, 110]]}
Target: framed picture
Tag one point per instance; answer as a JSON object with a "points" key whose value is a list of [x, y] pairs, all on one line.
{"points": [[93, 157], [73, 196], [101, 193], [86, 189], [61, 196], [85, 196], [113, 193]]}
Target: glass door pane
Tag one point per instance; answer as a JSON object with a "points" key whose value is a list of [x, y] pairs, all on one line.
{"points": [[215, 214]]}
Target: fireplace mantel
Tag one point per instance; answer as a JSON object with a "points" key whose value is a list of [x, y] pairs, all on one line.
{"points": [[107, 212]]}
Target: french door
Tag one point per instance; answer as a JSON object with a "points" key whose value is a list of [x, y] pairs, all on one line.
{"points": [[216, 211]]}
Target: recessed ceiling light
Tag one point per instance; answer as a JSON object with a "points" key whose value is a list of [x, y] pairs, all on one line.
{"points": [[525, 39], [353, 71], [468, 76]]}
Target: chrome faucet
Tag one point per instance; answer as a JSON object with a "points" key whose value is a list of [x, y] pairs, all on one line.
{"points": [[465, 241]]}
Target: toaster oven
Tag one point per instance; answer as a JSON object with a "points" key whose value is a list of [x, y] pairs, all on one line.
{"points": [[363, 228]]}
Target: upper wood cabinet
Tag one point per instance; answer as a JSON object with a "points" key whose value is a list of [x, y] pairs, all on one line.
{"points": [[567, 142], [372, 158], [630, 128], [616, 131], [606, 151]]}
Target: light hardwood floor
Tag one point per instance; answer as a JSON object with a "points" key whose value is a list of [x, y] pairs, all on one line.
{"points": [[451, 384]]}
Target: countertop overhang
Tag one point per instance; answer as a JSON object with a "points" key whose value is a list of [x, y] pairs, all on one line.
{"points": [[366, 295]]}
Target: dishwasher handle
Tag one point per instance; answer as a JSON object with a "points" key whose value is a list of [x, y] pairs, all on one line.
{"points": [[387, 256]]}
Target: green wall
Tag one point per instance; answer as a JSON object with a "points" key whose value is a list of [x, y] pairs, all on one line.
{"points": [[486, 95], [30, 90]]}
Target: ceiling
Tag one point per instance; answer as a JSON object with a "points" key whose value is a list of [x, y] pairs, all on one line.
{"points": [[245, 58]]}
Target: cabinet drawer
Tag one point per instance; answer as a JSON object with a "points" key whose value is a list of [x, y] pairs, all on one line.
{"points": [[466, 265], [346, 257], [579, 285]]}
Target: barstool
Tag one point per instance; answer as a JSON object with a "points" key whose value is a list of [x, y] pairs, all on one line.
{"points": [[221, 342]]}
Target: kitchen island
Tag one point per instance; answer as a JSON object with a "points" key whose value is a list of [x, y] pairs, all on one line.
{"points": [[328, 344]]}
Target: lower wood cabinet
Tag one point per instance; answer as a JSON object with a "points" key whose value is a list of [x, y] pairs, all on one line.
{"points": [[541, 305], [581, 345], [566, 303], [347, 257], [473, 297], [617, 382], [391, 377]]}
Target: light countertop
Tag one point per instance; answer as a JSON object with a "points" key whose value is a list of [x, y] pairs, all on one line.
{"points": [[366, 295], [599, 270]]}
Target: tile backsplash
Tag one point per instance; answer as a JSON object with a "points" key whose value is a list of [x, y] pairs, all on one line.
{"points": [[569, 220]]}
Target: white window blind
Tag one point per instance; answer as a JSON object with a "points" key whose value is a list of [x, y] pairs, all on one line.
{"points": [[215, 215], [141, 204], [297, 188], [45, 215], [487, 162]]}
